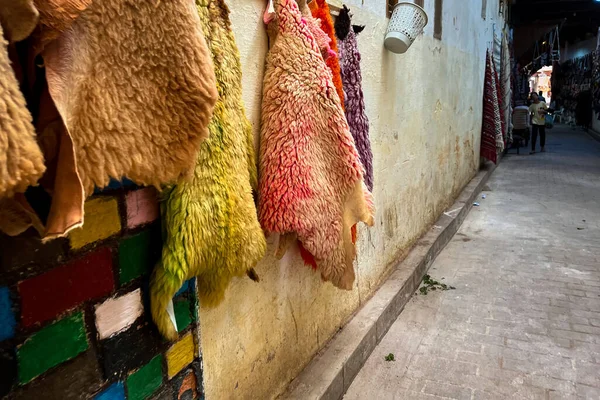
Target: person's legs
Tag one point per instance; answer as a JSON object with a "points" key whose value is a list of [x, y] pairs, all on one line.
{"points": [[534, 134], [543, 138]]}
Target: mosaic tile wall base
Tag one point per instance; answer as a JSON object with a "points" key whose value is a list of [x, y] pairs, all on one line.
{"points": [[74, 313]]}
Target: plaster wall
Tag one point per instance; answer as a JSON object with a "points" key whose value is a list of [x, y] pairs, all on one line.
{"points": [[425, 122]]}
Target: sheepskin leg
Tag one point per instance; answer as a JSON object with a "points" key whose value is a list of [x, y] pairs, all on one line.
{"points": [[16, 216], [66, 211], [18, 19], [21, 160]]}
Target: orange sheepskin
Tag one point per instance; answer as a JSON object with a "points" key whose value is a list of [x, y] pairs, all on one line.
{"points": [[320, 10]]}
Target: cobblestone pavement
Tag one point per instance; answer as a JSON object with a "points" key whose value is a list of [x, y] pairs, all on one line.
{"points": [[524, 319]]}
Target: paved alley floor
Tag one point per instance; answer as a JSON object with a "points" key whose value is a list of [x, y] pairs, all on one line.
{"points": [[524, 319]]}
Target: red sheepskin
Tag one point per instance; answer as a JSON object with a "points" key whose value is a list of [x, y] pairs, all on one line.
{"points": [[320, 10]]}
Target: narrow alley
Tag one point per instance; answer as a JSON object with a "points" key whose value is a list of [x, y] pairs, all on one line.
{"points": [[524, 319]]}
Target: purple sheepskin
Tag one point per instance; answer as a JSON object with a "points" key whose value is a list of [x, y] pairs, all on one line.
{"points": [[352, 82]]}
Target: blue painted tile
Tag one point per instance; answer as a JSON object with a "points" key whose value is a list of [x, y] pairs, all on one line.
{"points": [[114, 392], [7, 317], [184, 287], [115, 184]]}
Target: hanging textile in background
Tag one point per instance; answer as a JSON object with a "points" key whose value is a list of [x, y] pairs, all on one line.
{"points": [[491, 131], [596, 83], [572, 79], [352, 80], [320, 10], [498, 111], [311, 178], [506, 90], [135, 98], [210, 223]]}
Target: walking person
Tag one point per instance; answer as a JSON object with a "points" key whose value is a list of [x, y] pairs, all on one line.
{"points": [[541, 96], [538, 110]]}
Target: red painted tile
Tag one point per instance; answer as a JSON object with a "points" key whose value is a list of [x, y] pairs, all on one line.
{"points": [[64, 287]]}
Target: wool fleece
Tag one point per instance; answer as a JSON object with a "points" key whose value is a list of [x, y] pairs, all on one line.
{"points": [[356, 114], [56, 16], [134, 84], [21, 160], [210, 223], [320, 10], [310, 173]]}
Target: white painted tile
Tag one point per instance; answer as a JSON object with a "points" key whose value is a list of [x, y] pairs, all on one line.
{"points": [[117, 314]]}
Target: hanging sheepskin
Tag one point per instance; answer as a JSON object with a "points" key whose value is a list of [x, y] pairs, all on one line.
{"points": [[135, 87], [310, 173], [320, 10], [21, 160], [354, 99], [210, 223]]}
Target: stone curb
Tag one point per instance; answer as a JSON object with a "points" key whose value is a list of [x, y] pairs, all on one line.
{"points": [[593, 134], [333, 369]]}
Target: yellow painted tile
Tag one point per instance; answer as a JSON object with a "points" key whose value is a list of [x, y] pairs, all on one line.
{"points": [[100, 221], [180, 355]]}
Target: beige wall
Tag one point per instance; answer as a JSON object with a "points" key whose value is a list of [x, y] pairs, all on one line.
{"points": [[425, 113]]}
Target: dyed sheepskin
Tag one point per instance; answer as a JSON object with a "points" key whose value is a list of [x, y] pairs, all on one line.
{"points": [[21, 160], [320, 10], [211, 223], [136, 98], [310, 173], [56, 16], [356, 115]]}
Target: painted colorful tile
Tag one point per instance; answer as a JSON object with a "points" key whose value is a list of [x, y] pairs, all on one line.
{"points": [[129, 350], [118, 313], [138, 254], [185, 385], [116, 391], [101, 221], [145, 381], [142, 207], [77, 379], [46, 296], [51, 346], [26, 249], [180, 355], [115, 184], [186, 286], [7, 317], [198, 370], [183, 313]]}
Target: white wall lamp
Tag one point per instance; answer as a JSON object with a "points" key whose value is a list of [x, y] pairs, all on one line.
{"points": [[407, 22]]}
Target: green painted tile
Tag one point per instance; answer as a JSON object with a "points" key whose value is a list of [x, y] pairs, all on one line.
{"points": [[51, 346], [138, 254], [142, 383], [183, 313]]}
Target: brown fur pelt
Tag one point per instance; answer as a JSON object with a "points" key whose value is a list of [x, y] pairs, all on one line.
{"points": [[21, 160], [56, 16], [134, 84]]}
